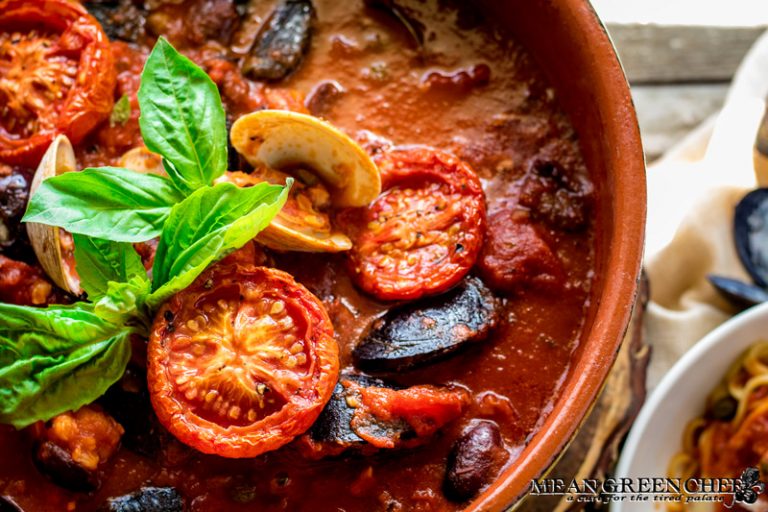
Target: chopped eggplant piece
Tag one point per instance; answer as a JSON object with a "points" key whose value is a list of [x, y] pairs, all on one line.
{"points": [[430, 329], [14, 194], [556, 196], [8, 505], [70, 447], [56, 463], [333, 423], [282, 42], [365, 415], [474, 459], [147, 499], [121, 19]]}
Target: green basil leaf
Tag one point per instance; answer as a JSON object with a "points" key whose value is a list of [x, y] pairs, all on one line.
{"points": [[56, 359], [182, 118], [109, 203], [73, 324], [56, 377], [205, 227], [100, 261], [121, 112], [123, 303]]}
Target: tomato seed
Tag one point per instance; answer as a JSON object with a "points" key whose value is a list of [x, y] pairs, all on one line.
{"points": [[277, 308]]}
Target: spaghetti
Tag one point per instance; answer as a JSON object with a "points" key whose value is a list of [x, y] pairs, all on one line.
{"points": [[733, 433]]}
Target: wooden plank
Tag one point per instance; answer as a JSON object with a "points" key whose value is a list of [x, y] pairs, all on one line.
{"points": [[677, 53], [667, 113]]}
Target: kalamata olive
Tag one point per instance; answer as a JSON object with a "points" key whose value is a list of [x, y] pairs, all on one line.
{"points": [[147, 499], [724, 409], [750, 233], [474, 459], [56, 463], [282, 42], [8, 505], [323, 96], [430, 329], [740, 294]]}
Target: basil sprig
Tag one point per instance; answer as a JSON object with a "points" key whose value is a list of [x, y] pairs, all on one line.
{"points": [[182, 118], [59, 358], [109, 203], [56, 359]]}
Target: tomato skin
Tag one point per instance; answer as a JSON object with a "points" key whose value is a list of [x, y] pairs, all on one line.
{"points": [[422, 235], [515, 256], [302, 405], [89, 101]]}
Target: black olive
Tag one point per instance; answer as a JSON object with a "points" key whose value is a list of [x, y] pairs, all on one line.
{"points": [[724, 409], [430, 329], [323, 96], [147, 499], [282, 42], [472, 461]]}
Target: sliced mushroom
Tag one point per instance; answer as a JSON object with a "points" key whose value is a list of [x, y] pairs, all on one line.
{"points": [[49, 242], [327, 163]]}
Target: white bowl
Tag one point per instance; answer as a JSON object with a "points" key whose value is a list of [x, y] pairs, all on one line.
{"points": [[680, 397]]}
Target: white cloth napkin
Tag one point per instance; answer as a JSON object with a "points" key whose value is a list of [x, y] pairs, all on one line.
{"points": [[692, 191]]}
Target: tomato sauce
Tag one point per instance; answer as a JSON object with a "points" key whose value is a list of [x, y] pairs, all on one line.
{"points": [[472, 91]]}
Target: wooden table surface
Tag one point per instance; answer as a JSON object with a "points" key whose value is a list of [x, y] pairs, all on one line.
{"points": [[679, 74]]}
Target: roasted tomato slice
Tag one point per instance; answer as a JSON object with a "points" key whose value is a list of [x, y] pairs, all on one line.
{"points": [[424, 232], [242, 361], [56, 76]]}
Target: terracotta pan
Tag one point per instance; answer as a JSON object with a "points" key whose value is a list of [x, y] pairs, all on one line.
{"points": [[572, 47]]}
